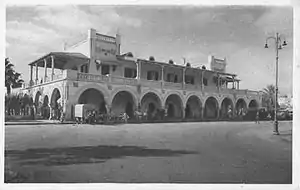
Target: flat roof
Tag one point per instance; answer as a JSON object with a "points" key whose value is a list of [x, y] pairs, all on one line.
{"points": [[61, 59], [182, 66]]}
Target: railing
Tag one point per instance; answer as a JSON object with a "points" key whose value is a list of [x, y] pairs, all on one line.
{"points": [[152, 83], [171, 85], [210, 89], [91, 77], [192, 87], [71, 74], [124, 81]]}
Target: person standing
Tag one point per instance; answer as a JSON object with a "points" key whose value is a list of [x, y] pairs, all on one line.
{"points": [[257, 117]]}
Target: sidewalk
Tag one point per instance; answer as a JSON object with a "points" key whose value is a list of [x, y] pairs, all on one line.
{"points": [[36, 122]]}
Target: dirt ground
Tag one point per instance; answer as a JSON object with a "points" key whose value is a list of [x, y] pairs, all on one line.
{"points": [[210, 152]]}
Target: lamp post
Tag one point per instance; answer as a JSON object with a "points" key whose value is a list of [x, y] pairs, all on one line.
{"points": [[278, 46]]}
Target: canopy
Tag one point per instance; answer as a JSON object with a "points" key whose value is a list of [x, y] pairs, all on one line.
{"points": [[62, 60]]}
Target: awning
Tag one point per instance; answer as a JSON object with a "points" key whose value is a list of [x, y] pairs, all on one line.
{"points": [[62, 60]]}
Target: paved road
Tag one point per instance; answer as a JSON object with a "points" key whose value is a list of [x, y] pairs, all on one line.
{"points": [[223, 152]]}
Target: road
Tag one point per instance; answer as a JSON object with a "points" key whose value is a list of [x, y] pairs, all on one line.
{"points": [[210, 152]]}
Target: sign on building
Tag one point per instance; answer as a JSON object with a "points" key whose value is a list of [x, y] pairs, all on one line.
{"points": [[218, 65]]}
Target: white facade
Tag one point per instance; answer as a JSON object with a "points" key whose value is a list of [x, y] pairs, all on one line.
{"points": [[95, 72]]}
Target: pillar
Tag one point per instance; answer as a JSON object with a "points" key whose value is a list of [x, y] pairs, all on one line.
{"points": [[138, 70], [238, 85], [45, 70], [36, 73], [202, 112], [218, 82], [31, 72], [52, 67], [233, 83], [183, 112], [162, 76], [183, 78], [202, 85]]}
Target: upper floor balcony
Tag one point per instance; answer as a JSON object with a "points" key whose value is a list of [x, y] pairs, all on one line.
{"points": [[117, 80], [73, 66]]}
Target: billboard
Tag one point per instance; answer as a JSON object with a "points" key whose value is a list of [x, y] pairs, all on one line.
{"points": [[218, 65], [105, 46]]}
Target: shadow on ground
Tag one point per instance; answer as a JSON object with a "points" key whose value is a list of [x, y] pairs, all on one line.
{"points": [[85, 154]]}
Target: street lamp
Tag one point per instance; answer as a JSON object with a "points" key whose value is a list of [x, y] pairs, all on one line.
{"points": [[277, 47]]}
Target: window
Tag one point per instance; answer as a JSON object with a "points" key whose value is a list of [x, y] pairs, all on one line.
{"points": [[84, 68], [172, 78], [189, 79], [152, 75], [205, 81], [175, 78], [74, 68], [130, 73], [104, 69]]}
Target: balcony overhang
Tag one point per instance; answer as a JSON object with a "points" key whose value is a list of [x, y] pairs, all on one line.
{"points": [[63, 60]]}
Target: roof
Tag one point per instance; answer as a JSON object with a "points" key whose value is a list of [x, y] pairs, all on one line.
{"points": [[182, 66], [63, 60]]}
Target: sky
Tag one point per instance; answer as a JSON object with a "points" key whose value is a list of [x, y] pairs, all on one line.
{"points": [[165, 32]]}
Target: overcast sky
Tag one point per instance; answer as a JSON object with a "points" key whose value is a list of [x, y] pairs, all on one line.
{"points": [[235, 32]]}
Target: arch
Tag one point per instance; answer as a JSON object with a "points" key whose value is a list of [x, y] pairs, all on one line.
{"points": [[126, 89], [226, 111], [55, 96], [151, 104], [241, 107], [93, 97], [174, 105], [173, 93], [123, 102], [252, 109], [45, 108], [193, 107], [253, 104], [211, 108], [55, 104], [93, 86], [38, 103]]}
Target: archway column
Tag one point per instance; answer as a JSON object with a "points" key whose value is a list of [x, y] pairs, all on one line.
{"points": [[183, 112]]}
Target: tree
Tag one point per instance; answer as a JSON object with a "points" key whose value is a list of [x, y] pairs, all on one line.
{"points": [[12, 78], [268, 99]]}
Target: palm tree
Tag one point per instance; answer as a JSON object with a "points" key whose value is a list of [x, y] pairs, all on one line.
{"points": [[12, 78], [268, 99]]}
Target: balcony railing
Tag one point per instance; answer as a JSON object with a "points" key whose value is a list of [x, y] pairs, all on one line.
{"points": [[74, 75], [152, 83], [124, 81], [91, 77], [171, 85]]}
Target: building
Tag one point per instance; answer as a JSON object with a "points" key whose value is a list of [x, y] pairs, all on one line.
{"points": [[95, 72]]}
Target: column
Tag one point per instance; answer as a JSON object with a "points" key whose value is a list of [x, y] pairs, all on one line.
{"points": [[138, 70], [233, 83], [45, 70], [183, 112], [202, 85], [183, 78], [238, 85], [162, 76], [36, 73], [218, 82], [202, 112], [52, 67], [31, 72]]}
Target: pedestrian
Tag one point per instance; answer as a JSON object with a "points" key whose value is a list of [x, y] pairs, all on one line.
{"points": [[125, 117], [257, 117]]}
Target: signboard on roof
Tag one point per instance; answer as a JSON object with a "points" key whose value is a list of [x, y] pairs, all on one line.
{"points": [[105, 46], [218, 65]]}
